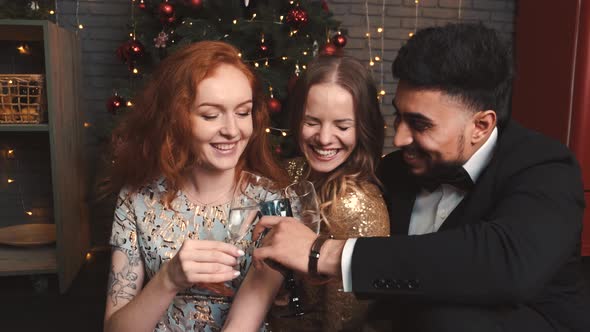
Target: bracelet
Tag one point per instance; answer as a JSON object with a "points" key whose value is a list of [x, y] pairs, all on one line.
{"points": [[314, 256]]}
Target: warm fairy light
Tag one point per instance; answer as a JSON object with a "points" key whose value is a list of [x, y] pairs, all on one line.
{"points": [[410, 34], [10, 180], [254, 16], [240, 55], [367, 35], [131, 34], [10, 152], [267, 130], [281, 18], [21, 49], [191, 23], [135, 71], [416, 1], [80, 26], [129, 103], [382, 92], [304, 67], [290, 2], [86, 124], [88, 256], [51, 12], [284, 133], [379, 29], [284, 58], [235, 21], [9, 81], [256, 64], [266, 63], [29, 213], [377, 58], [304, 52], [371, 63]]}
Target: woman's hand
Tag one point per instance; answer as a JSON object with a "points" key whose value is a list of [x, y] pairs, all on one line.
{"points": [[201, 261]]}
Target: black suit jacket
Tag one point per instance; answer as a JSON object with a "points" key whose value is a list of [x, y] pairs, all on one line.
{"points": [[514, 239]]}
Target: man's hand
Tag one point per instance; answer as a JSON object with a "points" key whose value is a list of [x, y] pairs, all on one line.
{"points": [[289, 242]]}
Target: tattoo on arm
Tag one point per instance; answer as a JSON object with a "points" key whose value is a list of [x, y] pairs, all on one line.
{"points": [[123, 282]]}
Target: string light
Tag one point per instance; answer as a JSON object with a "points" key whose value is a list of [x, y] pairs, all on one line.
{"points": [[87, 125], [80, 26], [55, 12], [135, 71], [379, 58], [411, 34], [283, 132], [368, 35], [10, 154], [129, 103], [235, 21]]}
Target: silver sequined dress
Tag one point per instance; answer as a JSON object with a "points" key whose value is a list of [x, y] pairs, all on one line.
{"points": [[143, 224]]}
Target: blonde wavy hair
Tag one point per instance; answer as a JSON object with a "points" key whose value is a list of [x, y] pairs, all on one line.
{"points": [[360, 166]]}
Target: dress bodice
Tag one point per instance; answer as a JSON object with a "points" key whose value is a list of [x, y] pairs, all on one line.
{"points": [[144, 224]]}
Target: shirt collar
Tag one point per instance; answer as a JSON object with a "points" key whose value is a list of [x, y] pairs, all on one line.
{"points": [[480, 159]]}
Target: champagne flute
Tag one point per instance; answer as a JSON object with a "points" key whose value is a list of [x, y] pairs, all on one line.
{"points": [[300, 202], [244, 213]]}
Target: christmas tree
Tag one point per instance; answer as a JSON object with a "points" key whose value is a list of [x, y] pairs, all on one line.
{"points": [[278, 38]]}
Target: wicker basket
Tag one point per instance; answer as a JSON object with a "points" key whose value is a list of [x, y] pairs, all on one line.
{"points": [[21, 98]]}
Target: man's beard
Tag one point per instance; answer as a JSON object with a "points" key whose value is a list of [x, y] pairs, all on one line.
{"points": [[438, 169]]}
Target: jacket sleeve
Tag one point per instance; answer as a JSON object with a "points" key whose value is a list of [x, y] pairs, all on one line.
{"points": [[505, 257]]}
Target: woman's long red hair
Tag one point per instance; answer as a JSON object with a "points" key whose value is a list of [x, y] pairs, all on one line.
{"points": [[155, 138]]}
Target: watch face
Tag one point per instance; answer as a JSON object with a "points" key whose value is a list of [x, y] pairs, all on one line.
{"points": [[277, 207]]}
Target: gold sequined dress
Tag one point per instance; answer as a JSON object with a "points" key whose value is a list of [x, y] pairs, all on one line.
{"points": [[143, 224], [358, 213]]}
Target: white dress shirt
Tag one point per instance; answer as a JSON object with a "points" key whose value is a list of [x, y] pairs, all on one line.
{"points": [[430, 208]]}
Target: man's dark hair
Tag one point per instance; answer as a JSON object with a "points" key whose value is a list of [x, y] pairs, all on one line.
{"points": [[467, 61]]}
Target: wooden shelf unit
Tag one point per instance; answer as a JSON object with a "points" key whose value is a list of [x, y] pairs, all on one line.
{"points": [[61, 50]]}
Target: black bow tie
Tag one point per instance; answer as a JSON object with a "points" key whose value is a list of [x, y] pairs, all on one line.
{"points": [[459, 179]]}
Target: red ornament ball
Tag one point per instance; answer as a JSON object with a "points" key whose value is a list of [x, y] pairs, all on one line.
{"points": [[114, 104], [194, 3], [274, 105], [130, 50], [339, 40], [136, 49], [167, 20], [165, 9], [329, 49], [297, 18]]}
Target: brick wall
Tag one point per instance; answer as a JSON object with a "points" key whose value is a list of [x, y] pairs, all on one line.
{"points": [[399, 19], [105, 28]]}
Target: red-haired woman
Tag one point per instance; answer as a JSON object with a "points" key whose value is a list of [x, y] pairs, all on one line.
{"points": [[199, 121]]}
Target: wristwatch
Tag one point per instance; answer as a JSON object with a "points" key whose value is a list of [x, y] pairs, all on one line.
{"points": [[314, 256]]}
